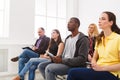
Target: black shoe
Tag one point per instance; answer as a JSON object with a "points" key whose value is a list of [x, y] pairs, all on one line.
{"points": [[14, 59]]}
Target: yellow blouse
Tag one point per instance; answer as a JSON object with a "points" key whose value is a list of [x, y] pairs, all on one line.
{"points": [[108, 51]]}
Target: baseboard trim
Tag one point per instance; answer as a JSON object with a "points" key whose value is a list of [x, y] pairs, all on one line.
{"points": [[7, 74]]}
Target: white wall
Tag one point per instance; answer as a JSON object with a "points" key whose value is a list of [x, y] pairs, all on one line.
{"points": [[72, 8], [7, 51], [3, 59], [21, 17], [21, 30], [21, 27], [21, 22], [89, 11]]}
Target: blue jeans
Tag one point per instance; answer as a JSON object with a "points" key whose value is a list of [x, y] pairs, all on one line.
{"points": [[50, 70], [24, 58], [89, 74], [31, 65]]}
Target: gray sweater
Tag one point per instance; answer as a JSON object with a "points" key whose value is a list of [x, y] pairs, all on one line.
{"points": [[81, 52]]}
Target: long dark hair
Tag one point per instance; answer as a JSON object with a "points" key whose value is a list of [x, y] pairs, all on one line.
{"points": [[114, 27], [59, 40]]}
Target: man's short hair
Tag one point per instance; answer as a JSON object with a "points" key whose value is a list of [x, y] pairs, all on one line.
{"points": [[76, 20], [42, 28]]}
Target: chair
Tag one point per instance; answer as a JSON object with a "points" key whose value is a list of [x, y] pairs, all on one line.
{"points": [[61, 77]]}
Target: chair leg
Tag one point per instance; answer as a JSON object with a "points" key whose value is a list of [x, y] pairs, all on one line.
{"points": [[61, 77]]}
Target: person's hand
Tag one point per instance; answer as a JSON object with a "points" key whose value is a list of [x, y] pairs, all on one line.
{"points": [[34, 48], [89, 58], [41, 56], [44, 56], [93, 63], [98, 68], [57, 59]]}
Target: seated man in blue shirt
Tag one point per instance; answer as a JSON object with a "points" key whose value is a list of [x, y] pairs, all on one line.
{"points": [[38, 49]]}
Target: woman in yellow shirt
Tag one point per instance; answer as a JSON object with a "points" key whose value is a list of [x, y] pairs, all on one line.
{"points": [[105, 64]]}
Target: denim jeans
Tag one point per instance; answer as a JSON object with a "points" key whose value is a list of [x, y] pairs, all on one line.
{"points": [[31, 65], [89, 74], [24, 58], [50, 70]]}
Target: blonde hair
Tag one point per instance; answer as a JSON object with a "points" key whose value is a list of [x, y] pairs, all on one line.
{"points": [[95, 32]]}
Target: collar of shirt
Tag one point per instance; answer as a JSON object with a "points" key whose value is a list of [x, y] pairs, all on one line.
{"points": [[111, 36], [41, 37]]}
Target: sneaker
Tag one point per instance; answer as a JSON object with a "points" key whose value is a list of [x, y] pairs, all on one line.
{"points": [[14, 59]]}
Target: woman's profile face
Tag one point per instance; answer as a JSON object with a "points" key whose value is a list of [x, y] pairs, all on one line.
{"points": [[40, 32], [104, 21], [54, 35], [91, 29]]}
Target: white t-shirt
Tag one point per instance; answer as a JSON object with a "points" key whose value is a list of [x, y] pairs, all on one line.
{"points": [[70, 47]]}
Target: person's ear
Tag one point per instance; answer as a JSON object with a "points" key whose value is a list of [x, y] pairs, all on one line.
{"points": [[111, 23], [76, 25]]}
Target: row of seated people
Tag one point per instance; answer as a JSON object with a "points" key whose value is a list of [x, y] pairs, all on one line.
{"points": [[75, 52]]}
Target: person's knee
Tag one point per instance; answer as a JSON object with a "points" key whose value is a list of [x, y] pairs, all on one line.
{"points": [[21, 60], [50, 68], [32, 60], [22, 55], [33, 68], [25, 51], [71, 71], [40, 67]]}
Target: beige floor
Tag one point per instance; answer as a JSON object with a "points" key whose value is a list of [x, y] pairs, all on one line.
{"points": [[5, 76], [10, 76]]}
